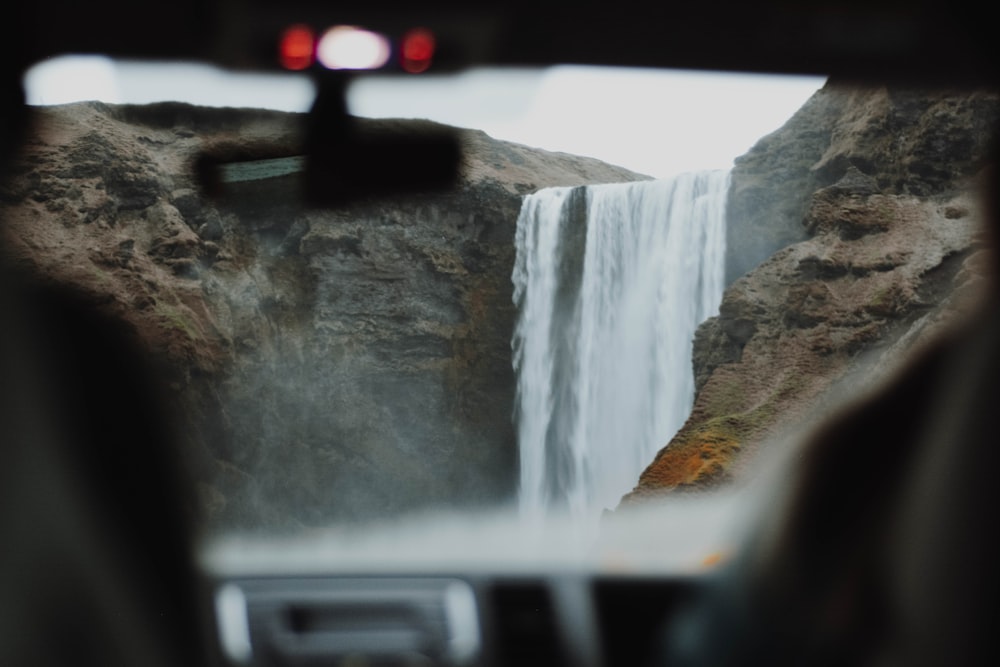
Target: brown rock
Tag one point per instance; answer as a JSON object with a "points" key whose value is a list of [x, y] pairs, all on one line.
{"points": [[328, 364], [894, 260], [852, 140]]}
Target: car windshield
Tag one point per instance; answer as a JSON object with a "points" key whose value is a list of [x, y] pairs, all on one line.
{"points": [[590, 350]]}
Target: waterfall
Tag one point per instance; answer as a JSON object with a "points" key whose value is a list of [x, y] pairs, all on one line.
{"points": [[610, 282]]}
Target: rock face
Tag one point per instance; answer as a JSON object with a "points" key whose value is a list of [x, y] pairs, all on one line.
{"points": [[902, 141], [867, 200], [329, 364]]}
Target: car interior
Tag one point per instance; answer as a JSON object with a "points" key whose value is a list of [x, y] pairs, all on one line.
{"points": [[100, 562]]}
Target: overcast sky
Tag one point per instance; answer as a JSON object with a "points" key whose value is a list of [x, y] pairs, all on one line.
{"points": [[651, 121]]}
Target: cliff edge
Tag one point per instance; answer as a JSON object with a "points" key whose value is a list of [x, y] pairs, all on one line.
{"points": [[855, 236], [336, 364]]}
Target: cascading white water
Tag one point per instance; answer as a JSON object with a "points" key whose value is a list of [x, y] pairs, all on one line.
{"points": [[610, 282]]}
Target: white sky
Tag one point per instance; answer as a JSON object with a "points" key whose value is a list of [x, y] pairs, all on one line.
{"points": [[655, 122]]}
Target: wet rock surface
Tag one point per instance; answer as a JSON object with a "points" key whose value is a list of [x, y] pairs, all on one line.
{"points": [[867, 209], [325, 364]]}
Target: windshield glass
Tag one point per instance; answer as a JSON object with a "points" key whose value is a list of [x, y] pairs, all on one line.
{"points": [[641, 285]]}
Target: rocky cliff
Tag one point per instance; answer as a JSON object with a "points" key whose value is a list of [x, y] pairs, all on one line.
{"points": [[854, 236], [328, 364]]}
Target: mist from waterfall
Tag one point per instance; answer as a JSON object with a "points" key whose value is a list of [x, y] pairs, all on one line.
{"points": [[610, 282]]}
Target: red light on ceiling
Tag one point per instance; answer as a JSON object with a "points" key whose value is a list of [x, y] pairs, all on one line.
{"points": [[297, 47], [417, 50]]}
